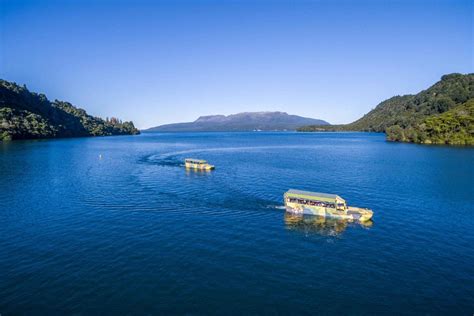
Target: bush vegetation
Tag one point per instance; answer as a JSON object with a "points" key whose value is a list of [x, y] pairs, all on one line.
{"points": [[453, 127]]}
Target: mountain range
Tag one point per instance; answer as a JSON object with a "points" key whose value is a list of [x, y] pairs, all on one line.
{"points": [[246, 121], [441, 114]]}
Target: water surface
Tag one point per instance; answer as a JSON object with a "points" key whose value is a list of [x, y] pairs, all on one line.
{"points": [[133, 232]]}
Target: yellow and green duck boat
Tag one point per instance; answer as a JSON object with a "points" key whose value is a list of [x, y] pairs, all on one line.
{"points": [[198, 164], [323, 204]]}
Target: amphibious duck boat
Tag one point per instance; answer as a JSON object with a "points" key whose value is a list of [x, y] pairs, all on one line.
{"points": [[197, 164], [322, 204]]}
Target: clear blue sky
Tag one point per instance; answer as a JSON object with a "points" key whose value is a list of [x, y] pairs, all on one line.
{"points": [[163, 62]]}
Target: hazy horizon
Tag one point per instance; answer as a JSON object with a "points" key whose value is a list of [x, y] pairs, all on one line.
{"points": [[168, 62]]}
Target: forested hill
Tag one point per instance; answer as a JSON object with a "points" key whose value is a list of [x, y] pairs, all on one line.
{"points": [[419, 118], [455, 127], [28, 115]]}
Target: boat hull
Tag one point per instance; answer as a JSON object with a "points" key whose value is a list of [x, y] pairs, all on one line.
{"points": [[199, 166], [351, 213]]}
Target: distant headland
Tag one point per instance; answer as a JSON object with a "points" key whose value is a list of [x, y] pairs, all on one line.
{"points": [[241, 122], [29, 115]]}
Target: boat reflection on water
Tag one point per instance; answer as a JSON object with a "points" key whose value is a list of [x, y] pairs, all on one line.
{"points": [[321, 225], [197, 172]]}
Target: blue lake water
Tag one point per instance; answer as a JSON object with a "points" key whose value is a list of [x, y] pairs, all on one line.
{"points": [[133, 232]]}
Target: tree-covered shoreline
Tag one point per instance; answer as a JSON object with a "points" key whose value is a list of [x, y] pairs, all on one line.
{"points": [[29, 115], [453, 127], [441, 114]]}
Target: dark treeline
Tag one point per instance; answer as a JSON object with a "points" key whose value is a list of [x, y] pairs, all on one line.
{"points": [[442, 114], [28, 115]]}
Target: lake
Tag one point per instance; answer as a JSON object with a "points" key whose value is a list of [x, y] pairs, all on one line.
{"points": [[117, 225]]}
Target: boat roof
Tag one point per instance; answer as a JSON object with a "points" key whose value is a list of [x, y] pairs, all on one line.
{"points": [[314, 194]]}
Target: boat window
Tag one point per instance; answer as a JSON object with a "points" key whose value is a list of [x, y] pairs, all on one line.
{"points": [[314, 203], [197, 162]]}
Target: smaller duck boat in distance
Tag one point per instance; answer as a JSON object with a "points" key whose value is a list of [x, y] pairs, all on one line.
{"points": [[323, 204], [197, 164]]}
